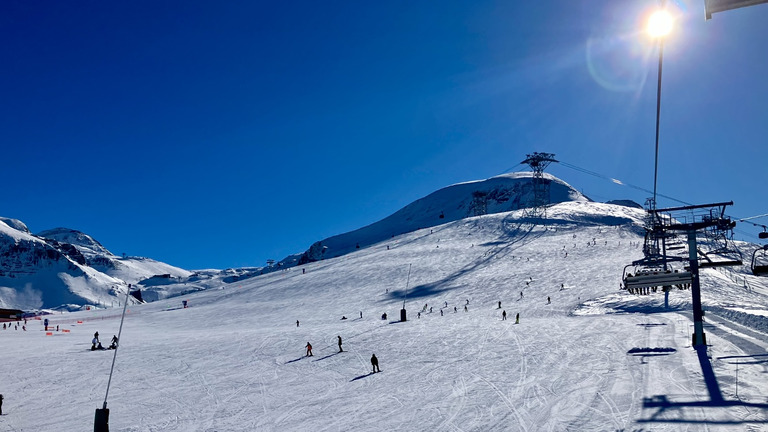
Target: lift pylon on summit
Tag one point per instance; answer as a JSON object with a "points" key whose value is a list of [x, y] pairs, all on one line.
{"points": [[539, 197]]}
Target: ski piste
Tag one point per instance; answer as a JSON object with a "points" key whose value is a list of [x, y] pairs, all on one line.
{"points": [[597, 358]]}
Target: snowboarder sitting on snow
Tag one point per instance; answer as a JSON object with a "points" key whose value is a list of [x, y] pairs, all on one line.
{"points": [[383, 316], [96, 345], [309, 349], [375, 364]]}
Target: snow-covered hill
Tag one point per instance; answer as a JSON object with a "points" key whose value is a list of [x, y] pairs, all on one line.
{"points": [[498, 194], [585, 356]]}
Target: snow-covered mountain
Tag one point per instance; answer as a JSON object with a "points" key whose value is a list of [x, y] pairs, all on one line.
{"points": [[64, 268], [498, 194]]}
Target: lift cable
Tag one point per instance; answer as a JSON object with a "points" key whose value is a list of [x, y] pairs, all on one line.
{"points": [[619, 182]]}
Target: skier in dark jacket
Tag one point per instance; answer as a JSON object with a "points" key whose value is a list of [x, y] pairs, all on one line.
{"points": [[375, 364], [340, 349], [309, 349], [1, 404]]}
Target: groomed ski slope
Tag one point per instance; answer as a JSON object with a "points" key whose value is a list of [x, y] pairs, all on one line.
{"points": [[595, 359]]}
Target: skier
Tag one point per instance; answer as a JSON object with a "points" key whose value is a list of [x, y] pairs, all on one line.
{"points": [[503, 315], [297, 323], [517, 318], [454, 309], [45, 323], [361, 314], [375, 364], [499, 305], [309, 349], [441, 312], [113, 345], [548, 301], [418, 315], [465, 308], [340, 349], [521, 294], [1, 404]]}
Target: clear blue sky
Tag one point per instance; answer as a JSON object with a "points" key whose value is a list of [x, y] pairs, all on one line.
{"points": [[222, 134]]}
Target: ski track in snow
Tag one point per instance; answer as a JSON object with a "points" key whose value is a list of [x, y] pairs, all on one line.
{"points": [[234, 360]]}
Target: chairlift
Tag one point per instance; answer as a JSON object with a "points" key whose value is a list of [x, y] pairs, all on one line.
{"points": [[723, 257], [760, 261], [642, 277]]}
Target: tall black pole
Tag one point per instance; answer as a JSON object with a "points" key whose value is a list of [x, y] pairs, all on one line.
{"points": [[658, 116], [699, 339]]}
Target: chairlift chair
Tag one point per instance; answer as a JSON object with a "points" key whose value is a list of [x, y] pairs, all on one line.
{"points": [[653, 276], [760, 261]]}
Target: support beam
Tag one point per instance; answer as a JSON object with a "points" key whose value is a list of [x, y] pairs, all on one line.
{"points": [[714, 6]]}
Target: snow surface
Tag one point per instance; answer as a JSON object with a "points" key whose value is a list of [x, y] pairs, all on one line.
{"points": [[594, 359]]}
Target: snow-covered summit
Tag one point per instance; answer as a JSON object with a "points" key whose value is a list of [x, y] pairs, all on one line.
{"points": [[15, 224], [84, 243], [502, 193]]}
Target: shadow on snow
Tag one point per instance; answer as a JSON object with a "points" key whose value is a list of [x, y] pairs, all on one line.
{"points": [[361, 377], [663, 405]]}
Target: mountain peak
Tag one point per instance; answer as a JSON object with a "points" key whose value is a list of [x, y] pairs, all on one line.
{"points": [[15, 224], [499, 194], [84, 243]]}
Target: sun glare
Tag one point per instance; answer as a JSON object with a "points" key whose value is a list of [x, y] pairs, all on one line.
{"points": [[660, 24]]}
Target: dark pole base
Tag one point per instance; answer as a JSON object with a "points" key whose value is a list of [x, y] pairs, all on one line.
{"points": [[101, 420], [695, 342], [402, 315]]}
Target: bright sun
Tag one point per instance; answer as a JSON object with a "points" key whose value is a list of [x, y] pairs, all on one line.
{"points": [[660, 24]]}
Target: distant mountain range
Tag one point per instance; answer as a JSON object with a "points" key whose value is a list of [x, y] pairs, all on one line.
{"points": [[63, 268]]}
